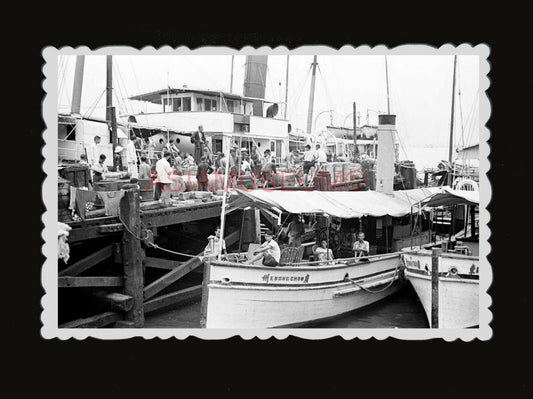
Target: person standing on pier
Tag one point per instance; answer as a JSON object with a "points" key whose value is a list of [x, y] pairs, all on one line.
{"points": [[198, 139], [131, 158], [145, 170], [309, 161], [163, 172], [202, 172], [93, 152], [321, 157], [361, 247]]}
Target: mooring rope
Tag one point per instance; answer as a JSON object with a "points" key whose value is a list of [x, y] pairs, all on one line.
{"points": [[381, 290]]}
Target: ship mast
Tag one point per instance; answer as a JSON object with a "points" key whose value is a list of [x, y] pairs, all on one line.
{"points": [[110, 110], [311, 96], [78, 84], [387, 80], [450, 149], [286, 89], [231, 77]]}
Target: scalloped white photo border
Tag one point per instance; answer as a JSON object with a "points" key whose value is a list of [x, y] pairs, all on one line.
{"points": [[49, 272]]}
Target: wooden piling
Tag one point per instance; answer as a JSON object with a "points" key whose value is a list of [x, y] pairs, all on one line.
{"points": [[435, 254], [132, 256], [205, 292]]}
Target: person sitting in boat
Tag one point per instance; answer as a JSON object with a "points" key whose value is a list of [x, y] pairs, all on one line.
{"points": [[361, 247], [295, 229], [213, 248], [269, 250], [323, 253]]}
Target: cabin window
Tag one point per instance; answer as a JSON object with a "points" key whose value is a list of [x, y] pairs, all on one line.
{"points": [[217, 145], [67, 132], [186, 103], [231, 106], [167, 105], [176, 107], [210, 105], [200, 104]]}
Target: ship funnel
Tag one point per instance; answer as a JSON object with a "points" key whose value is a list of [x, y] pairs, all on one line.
{"points": [[255, 80], [386, 153]]}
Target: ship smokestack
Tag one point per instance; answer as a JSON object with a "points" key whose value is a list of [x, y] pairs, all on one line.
{"points": [[78, 84], [386, 154], [255, 80]]}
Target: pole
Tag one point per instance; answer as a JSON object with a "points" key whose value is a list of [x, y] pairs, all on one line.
{"points": [[231, 78], [132, 257], [450, 149], [435, 253], [311, 97], [205, 291], [110, 110], [286, 89], [78, 84], [109, 87], [355, 132], [387, 80], [472, 220], [223, 212]]}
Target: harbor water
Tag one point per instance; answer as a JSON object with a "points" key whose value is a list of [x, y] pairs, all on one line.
{"points": [[401, 310]]}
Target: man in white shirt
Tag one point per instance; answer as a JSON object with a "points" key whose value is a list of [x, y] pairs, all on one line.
{"points": [[131, 158], [163, 172], [321, 157], [93, 151], [361, 247], [309, 160], [269, 250]]}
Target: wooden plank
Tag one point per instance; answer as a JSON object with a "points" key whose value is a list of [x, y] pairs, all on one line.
{"points": [[100, 320], [68, 281], [171, 277], [111, 300], [93, 231], [88, 262], [132, 256], [174, 215], [182, 270], [159, 263], [173, 298], [435, 253]]}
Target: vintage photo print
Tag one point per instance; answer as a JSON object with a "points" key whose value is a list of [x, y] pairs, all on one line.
{"points": [[266, 192]]}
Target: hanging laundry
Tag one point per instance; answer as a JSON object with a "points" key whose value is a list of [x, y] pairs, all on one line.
{"points": [[111, 201], [63, 249], [82, 198]]}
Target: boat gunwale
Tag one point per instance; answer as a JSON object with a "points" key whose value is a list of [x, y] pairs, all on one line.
{"points": [[458, 279], [426, 252], [310, 266]]}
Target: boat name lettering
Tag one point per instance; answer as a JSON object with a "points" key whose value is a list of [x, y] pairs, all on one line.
{"points": [[412, 263], [267, 278]]}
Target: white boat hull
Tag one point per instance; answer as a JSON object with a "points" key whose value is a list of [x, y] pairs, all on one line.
{"points": [[458, 290], [262, 297]]}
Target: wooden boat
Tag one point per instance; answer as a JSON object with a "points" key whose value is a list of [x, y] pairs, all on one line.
{"points": [[256, 296], [451, 297], [238, 295]]}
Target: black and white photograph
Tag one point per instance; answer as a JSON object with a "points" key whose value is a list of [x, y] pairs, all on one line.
{"points": [[263, 192]]}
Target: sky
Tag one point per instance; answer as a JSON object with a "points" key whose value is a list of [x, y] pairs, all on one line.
{"points": [[420, 89]]}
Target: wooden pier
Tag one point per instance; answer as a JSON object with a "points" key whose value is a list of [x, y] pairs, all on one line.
{"points": [[110, 275]]}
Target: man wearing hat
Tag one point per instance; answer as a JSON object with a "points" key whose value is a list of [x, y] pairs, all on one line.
{"points": [[118, 157], [269, 250]]}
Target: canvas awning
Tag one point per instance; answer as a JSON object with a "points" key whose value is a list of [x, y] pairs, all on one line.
{"points": [[449, 197], [346, 205]]}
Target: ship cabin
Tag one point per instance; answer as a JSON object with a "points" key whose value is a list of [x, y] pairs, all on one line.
{"points": [[228, 119], [339, 140]]}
